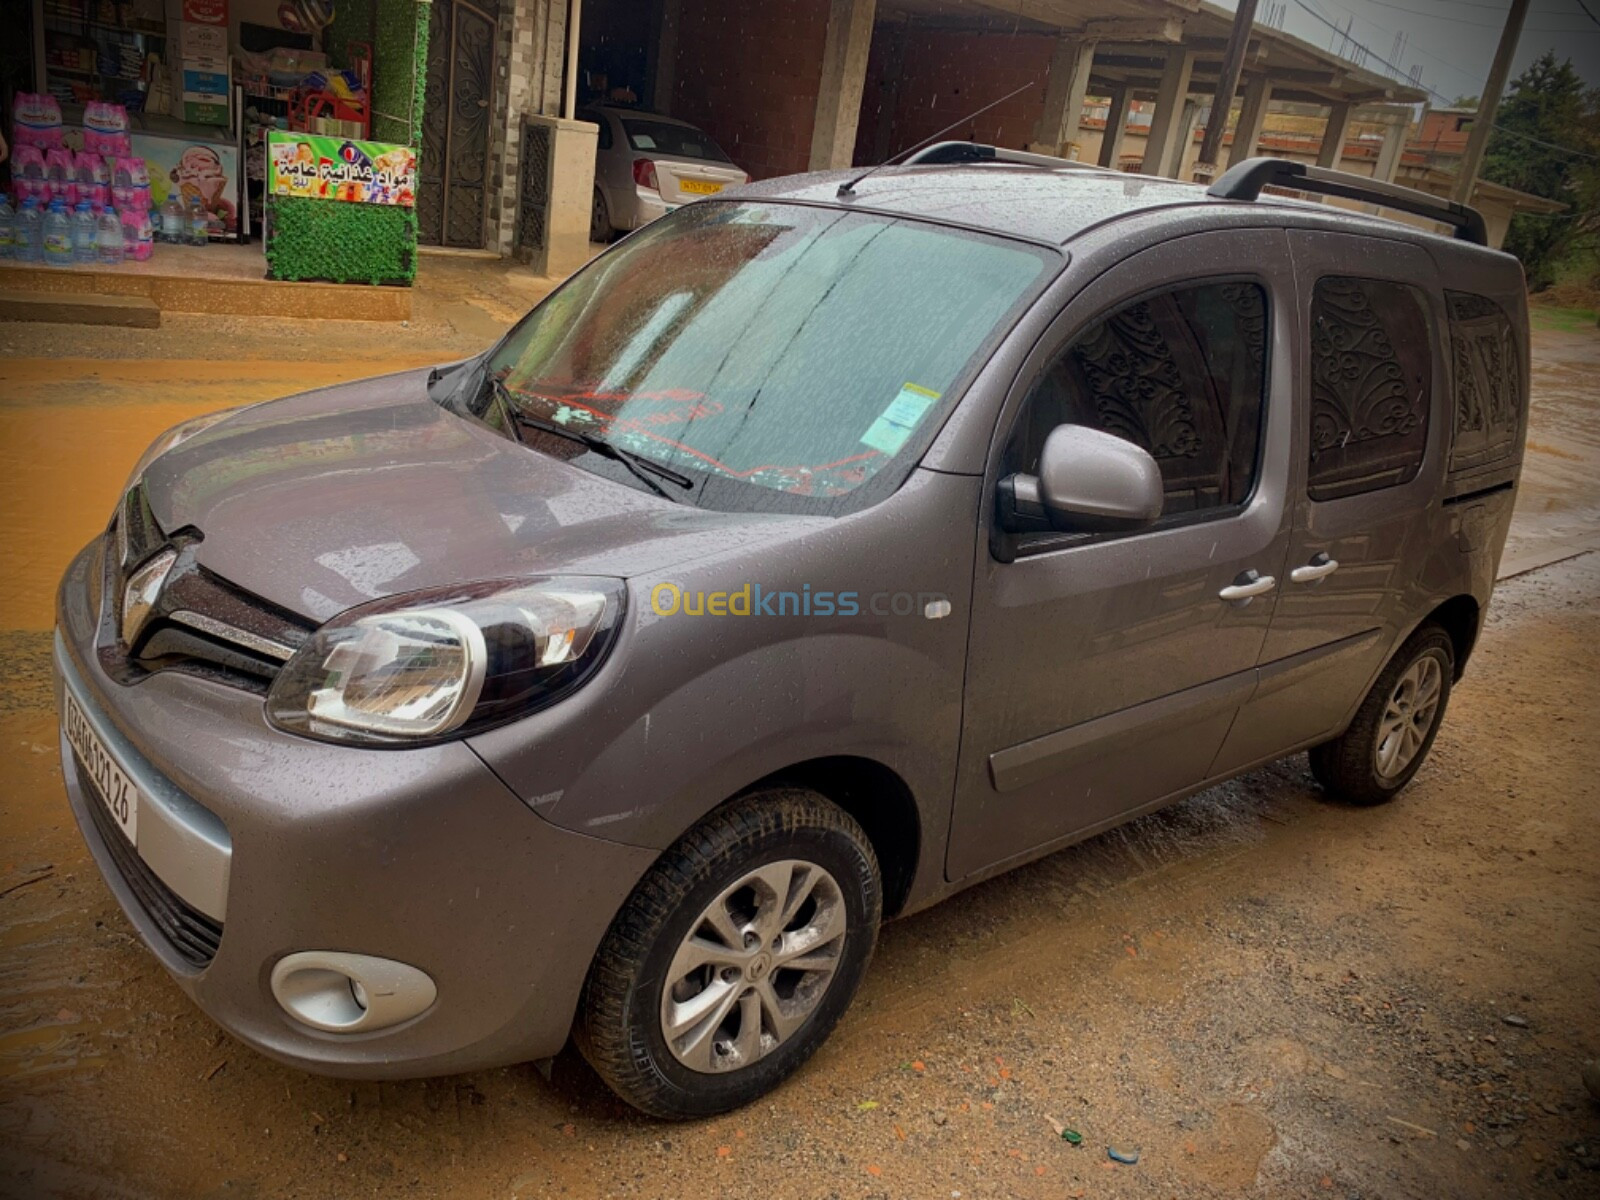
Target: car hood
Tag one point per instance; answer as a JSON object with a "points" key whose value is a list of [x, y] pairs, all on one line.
{"points": [[329, 499]]}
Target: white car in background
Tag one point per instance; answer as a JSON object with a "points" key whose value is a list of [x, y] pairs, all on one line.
{"points": [[647, 165]]}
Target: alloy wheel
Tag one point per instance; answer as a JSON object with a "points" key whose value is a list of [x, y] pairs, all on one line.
{"points": [[754, 966], [1407, 717]]}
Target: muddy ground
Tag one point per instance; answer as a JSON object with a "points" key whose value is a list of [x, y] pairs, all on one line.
{"points": [[1264, 994]]}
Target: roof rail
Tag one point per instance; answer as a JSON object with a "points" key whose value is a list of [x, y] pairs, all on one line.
{"points": [[1246, 180], [976, 152]]}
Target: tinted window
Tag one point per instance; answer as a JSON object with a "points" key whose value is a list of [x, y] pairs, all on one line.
{"points": [[1371, 384], [603, 138], [1487, 375], [676, 141], [770, 351], [1181, 374]]}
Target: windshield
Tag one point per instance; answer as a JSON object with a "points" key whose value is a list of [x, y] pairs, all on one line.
{"points": [[782, 357], [675, 141]]}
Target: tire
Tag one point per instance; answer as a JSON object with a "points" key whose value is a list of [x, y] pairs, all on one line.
{"points": [[599, 218], [728, 869], [1351, 766]]}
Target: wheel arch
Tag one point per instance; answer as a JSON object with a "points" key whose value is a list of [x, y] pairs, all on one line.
{"points": [[881, 803], [1461, 617]]}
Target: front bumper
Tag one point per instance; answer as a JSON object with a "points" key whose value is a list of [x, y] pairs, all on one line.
{"points": [[421, 856]]}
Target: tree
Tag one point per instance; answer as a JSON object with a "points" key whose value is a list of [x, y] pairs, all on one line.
{"points": [[1547, 142]]}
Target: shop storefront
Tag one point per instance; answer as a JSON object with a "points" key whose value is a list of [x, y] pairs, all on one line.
{"points": [[166, 114]]}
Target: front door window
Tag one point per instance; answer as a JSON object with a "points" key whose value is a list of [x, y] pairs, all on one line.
{"points": [[1182, 375]]}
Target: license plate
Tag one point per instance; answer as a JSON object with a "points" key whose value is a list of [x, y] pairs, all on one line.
{"points": [[700, 187], [113, 784]]}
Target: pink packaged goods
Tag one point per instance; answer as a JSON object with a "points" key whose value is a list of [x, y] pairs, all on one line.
{"points": [[130, 185], [130, 171], [105, 129], [36, 117], [28, 174], [93, 178], [131, 199], [138, 235], [58, 171]]}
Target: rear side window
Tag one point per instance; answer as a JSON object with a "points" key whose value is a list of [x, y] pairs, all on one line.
{"points": [[1180, 374], [1487, 371], [1371, 384], [675, 141]]}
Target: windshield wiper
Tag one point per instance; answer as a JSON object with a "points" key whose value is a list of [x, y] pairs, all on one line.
{"points": [[638, 465]]}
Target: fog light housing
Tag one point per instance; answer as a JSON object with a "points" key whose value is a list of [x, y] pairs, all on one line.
{"points": [[350, 993]]}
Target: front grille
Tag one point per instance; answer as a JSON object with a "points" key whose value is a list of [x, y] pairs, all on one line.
{"points": [[199, 624], [191, 934]]}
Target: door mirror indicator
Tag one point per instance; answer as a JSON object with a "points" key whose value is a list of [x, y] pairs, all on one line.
{"points": [[1089, 481]]}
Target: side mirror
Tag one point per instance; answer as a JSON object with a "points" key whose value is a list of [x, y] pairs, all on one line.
{"points": [[1089, 481]]}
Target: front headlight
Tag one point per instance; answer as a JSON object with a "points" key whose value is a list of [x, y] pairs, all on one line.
{"points": [[175, 436], [446, 663]]}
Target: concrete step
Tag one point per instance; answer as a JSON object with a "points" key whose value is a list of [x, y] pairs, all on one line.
{"points": [[213, 280], [80, 308]]}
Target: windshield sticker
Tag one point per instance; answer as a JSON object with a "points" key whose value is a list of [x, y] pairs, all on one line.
{"points": [[899, 421]]}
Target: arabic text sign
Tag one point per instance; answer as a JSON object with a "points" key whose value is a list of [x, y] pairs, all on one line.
{"points": [[331, 168]]}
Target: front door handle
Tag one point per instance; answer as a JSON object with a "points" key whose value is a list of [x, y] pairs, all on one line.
{"points": [[1248, 586], [1320, 567]]}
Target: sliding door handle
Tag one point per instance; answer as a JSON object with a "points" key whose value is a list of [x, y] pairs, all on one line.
{"points": [[1248, 586], [1320, 567]]}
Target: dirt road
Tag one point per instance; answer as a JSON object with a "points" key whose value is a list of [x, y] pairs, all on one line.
{"points": [[1263, 994]]}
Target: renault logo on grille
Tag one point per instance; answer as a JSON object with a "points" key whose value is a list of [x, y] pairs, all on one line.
{"points": [[139, 597]]}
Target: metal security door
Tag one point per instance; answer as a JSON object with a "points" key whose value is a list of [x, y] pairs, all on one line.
{"points": [[453, 195]]}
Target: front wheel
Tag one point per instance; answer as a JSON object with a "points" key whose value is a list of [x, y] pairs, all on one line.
{"points": [[1394, 728], [734, 957]]}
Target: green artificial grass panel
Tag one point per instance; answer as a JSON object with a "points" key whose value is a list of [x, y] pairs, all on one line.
{"points": [[342, 243]]}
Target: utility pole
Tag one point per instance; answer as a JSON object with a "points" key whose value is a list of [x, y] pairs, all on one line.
{"points": [[1244, 19], [1489, 104]]}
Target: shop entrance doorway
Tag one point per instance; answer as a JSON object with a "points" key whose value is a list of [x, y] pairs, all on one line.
{"points": [[453, 187]]}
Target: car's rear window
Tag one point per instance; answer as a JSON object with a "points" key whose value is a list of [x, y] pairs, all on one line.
{"points": [[784, 357], [675, 141]]}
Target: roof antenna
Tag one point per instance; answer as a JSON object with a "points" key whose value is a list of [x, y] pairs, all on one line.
{"points": [[848, 188]]}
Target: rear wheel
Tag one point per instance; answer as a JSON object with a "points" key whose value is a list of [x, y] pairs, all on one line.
{"points": [[1394, 728], [599, 218], [734, 957]]}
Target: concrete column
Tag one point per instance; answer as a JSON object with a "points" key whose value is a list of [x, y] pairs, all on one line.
{"points": [[1252, 116], [666, 62], [1334, 135], [525, 94], [1167, 124], [1063, 96], [1186, 128], [569, 103], [1394, 146], [569, 184], [844, 74], [1116, 118]]}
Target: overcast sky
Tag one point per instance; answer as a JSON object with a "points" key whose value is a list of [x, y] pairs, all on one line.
{"points": [[1452, 40]]}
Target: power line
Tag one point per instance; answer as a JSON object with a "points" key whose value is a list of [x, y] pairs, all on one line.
{"points": [[1449, 64], [1587, 11], [1399, 73], [1441, 95], [1474, 24], [1527, 137]]}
